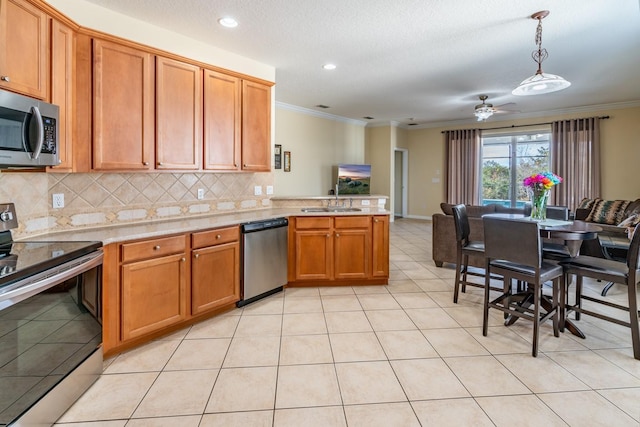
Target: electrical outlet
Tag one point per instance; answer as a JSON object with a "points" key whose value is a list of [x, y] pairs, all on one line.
{"points": [[200, 193], [366, 202], [58, 201], [257, 190], [269, 189]]}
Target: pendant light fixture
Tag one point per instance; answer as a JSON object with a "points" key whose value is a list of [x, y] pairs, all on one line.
{"points": [[540, 82]]}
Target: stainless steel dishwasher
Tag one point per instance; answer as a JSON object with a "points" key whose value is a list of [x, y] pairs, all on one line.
{"points": [[264, 258]]}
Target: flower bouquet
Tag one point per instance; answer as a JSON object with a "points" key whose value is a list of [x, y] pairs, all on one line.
{"points": [[538, 187]]}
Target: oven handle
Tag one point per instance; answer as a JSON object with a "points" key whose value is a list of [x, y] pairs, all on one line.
{"points": [[40, 282]]}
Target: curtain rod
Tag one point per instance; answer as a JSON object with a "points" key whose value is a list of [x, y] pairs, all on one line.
{"points": [[521, 126]]}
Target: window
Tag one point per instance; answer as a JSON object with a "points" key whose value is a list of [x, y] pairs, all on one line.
{"points": [[507, 160]]}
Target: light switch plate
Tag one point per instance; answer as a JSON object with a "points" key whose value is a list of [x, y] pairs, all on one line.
{"points": [[200, 193], [269, 189], [366, 202], [257, 190]]}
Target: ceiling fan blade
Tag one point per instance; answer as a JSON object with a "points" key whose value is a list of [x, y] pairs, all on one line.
{"points": [[508, 104]]}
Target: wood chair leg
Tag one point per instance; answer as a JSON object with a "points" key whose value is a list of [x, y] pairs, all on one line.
{"points": [[465, 268], [536, 318], [456, 287], [633, 319]]}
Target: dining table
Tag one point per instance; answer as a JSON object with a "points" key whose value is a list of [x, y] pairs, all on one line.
{"points": [[573, 233]]}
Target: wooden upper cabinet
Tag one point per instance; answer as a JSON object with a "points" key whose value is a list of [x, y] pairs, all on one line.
{"points": [[178, 115], [256, 127], [123, 107], [24, 48], [62, 78], [222, 121]]}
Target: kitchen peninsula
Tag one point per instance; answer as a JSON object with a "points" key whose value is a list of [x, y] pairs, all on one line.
{"points": [[332, 247]]}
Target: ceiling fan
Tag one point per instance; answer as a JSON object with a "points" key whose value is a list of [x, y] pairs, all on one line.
{"points": [[485, 110]]}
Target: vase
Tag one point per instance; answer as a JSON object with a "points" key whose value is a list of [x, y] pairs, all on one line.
{"points": [[539, 198]]}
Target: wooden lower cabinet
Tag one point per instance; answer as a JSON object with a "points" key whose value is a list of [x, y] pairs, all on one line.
{"points": [[153, 295], [380, 237], [215, 269], [152, 286], [338, 250]]}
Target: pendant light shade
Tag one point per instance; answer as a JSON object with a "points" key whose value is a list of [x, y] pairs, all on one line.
{"points": [[540, 82]]}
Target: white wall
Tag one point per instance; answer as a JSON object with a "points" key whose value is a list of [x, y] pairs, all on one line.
{"points": [[317, 144]]}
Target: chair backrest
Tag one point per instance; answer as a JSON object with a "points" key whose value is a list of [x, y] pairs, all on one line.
{"points": [[633, 256], [461, 221], [513, 240], [553, 212]]}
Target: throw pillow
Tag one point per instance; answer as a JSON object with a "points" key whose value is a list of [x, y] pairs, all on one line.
{"points": [[587, 203], [608, 211], [630, 224]]}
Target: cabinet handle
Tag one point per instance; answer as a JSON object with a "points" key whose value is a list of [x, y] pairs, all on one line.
{"points": [[5, 79], [156, 247], [328, 235], [244, 165], [145, 163], [159, 163], [196, 256], [337, 234], [376, 220], [218, 236], [183, 259]]}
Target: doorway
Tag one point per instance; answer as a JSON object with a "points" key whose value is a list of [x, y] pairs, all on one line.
{"points": [[400, 177]]}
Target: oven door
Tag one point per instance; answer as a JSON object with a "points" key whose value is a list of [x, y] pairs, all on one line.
{"points": [[50, 340]]}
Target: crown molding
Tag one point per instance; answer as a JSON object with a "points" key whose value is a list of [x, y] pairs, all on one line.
{"points": [[547, 113], [310, 112], [451, 123]]}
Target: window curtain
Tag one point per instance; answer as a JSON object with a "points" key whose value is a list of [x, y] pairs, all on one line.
{"points": [[463, 166], [575, 156]]}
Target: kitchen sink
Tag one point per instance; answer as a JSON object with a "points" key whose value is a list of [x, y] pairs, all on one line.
{"points": [[343, 209], [331, 209], [314, 210]]}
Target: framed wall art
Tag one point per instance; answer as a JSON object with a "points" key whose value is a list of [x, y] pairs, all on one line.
{"points": [[287, 161], [277, 153]]}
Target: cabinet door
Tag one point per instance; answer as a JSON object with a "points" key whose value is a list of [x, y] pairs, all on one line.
{"points": [[178, 115], [62, 54], [153, 295], [215, 277], [123, 107], [380, 232], [221, 121], [352, 253], [24, 43], [314, 255], [256, 127]]}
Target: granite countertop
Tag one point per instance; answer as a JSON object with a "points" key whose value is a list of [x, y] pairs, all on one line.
{"points": [[120, 233]]}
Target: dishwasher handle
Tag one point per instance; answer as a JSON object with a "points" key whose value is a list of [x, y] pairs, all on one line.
{"points": [[252, 227]]}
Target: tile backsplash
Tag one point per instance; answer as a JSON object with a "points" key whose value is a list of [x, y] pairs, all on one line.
{"points": [[100, 199]]}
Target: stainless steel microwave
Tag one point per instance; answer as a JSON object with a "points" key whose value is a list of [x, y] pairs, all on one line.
{"points": [[28, 132]]}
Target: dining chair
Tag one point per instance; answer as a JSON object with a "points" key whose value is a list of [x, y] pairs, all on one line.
{"points": [[465, 248], [513, 249], [606, 270]]}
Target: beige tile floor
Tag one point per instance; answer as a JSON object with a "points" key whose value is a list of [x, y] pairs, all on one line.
{"points": [[396, 355]]}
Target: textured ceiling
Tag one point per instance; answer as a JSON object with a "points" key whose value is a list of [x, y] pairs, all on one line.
{"points": [[423, 59]]}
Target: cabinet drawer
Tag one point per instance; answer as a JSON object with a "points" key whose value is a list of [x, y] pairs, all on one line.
{"points": [[352, 221], [152, 248], [215, 237], [313, 222]]}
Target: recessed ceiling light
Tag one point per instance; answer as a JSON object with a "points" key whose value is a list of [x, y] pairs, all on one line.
{"points": [[228, 22], [329, 66]]}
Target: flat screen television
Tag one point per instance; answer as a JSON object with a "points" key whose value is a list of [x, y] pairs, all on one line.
{"points": [[354, 179]]}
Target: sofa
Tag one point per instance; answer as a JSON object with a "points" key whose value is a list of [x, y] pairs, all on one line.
{"points": [[444, 244], [617, 218]]}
